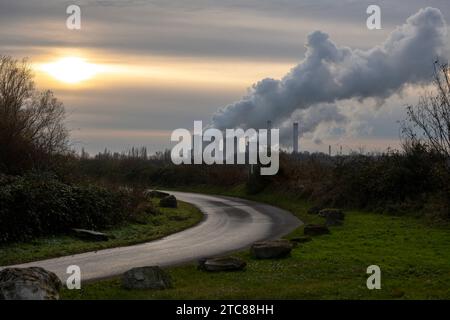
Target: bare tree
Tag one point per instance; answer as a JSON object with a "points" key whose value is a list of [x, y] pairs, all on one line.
{"points": [[31, 122], [428, 122]]}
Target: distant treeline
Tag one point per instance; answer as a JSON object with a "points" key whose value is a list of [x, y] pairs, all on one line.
{"points": [[414, 180]]}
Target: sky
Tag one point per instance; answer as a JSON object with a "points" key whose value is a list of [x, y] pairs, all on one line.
{"points": [[155, 66]]}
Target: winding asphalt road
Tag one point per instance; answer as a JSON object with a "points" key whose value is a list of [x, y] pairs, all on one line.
{"points": [[229, 224]]}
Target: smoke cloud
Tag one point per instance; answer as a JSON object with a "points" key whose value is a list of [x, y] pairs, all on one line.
{"points": [[330, 73]]}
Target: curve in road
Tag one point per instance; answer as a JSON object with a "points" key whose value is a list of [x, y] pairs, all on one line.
{"points": [[230, 224]]}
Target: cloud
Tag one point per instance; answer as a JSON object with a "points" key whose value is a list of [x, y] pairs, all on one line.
{"points": [[331, 73]]}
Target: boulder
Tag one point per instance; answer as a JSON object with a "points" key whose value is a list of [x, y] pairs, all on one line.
{"points": [[333, 217], [271, 249], [222, 264], [152, 277], [155, 194], [314, 210], [29, 284], [201, 263], [330, 222], [168, 202], [315, 230], [90, 235]]}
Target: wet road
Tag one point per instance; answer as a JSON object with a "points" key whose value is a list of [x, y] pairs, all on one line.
{"points": [[229, 224]]}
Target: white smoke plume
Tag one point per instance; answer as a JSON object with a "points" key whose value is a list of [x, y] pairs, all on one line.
{"points": [[330, 73], [310, 119]]}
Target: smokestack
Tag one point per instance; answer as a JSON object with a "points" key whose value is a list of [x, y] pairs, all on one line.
{"points": [[269, 137], [295, 138]]}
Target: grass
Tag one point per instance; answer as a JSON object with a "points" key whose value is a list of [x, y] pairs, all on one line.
{"points": [[414, 258], [157, 226]]}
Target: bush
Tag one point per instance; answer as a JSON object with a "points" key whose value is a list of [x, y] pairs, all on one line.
{"points": [[40, 205], [398, 183]]}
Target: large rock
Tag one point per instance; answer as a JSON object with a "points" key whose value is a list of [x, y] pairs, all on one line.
{"points": [[152, 277], [155, 194], [333, 217], [29, 284], [314, 210], [168, 202], [222, 264], [315, 230], [271, 249], [90, 235]]}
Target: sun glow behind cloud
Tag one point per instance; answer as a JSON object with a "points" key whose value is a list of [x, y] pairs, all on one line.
{"points": [[71, 70]]}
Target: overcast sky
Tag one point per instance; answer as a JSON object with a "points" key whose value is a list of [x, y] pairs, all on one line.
{"points": [[173, 62]]}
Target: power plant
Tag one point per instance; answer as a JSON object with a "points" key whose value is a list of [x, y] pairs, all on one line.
{"points": [[197, 139], [295, 137]]}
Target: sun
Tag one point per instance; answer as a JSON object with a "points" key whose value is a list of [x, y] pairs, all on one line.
{"points": [[71, 70]]}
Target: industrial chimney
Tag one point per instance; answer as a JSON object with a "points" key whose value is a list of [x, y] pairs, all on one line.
{"points": [[269, 137], [295, 138]]}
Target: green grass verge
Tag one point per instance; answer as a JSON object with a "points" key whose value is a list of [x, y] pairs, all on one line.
{"points": [[414, 258], [157, 226]]}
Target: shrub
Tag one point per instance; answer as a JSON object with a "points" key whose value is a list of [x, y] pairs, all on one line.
{"points": [[398, 183], [40, 205]]}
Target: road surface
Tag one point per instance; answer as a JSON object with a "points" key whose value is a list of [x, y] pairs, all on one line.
{"points": [[229, 224]]}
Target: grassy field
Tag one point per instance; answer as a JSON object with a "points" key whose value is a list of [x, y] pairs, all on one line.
{"points": [[414, 258], [157, 226]]}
